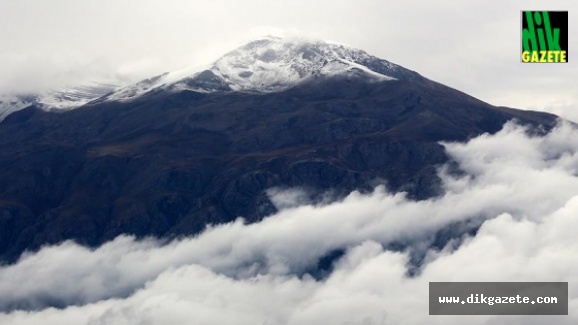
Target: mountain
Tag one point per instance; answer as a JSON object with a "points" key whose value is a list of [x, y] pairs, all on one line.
{"points": [[53, 100], [271, 65], [169, 155]]}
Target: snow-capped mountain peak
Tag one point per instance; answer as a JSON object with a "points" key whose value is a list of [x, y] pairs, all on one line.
{"points": [[269, 65], [275, 64], [76, 96], [56, 100]]}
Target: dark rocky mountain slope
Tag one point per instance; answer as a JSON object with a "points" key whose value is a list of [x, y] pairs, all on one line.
{"points": [[168, 163]]}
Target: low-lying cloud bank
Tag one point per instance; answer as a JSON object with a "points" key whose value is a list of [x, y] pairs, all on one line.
{"points": [[522, 189]]}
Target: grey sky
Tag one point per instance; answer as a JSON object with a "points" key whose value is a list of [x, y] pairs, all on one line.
{"points": [[470, 45]]}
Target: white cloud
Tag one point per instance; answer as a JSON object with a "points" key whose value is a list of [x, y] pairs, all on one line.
{"points": [[524, 188]]}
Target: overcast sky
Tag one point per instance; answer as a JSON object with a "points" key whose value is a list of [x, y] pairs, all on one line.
{"points": [[469, 45]]}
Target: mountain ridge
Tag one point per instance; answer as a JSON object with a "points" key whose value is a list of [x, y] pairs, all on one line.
{"points": [[270, 64], [55, 100]]}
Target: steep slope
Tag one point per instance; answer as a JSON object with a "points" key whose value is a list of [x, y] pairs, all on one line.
{"points": [[174, 158], [12, 103]]}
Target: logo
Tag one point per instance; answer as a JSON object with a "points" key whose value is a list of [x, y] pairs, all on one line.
{"points": [[544, 36]]}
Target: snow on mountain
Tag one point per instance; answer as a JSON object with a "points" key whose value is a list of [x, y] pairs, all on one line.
{"points": [[64, 99], [275, 64], [75, 96], [267, 65], [12, 103], [270, 65]]}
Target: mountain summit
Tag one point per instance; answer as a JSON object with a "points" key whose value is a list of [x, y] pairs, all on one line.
{"points": [[270, 65], [170, 155], [56, 100]]}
